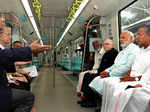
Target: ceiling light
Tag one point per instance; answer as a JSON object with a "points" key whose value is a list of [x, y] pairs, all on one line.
{"points": [[95, 31], [73, 20], [31, 17]]}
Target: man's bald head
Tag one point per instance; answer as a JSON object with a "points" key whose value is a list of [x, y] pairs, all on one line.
{"points": [[108, 44]]}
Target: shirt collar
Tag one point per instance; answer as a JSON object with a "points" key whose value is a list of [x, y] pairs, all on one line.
{"points": [[2, 47], [129, 45], [147, 49], [97, 50]]}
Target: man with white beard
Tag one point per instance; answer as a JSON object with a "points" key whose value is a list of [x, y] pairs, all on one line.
{"points": [[117, 95], [122, 64]]}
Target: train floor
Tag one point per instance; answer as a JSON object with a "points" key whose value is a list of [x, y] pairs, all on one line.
{"points": [[62, 98]]}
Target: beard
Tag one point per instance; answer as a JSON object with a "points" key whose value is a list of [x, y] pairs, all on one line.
{"points": [[123, 46]]}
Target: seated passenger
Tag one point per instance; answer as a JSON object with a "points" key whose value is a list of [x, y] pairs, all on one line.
{"points": [[20, 79], [16, 80], [21, 64], [120, 100], [17, 44], [107, 60], [122, 64], [99, 51]]}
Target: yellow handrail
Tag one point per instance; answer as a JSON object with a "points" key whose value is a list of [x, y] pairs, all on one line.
{"points": [[38, 6]]}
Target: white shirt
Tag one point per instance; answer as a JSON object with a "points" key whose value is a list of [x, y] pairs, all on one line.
{"points": [[141, 65], [123, 61], [2, 47], [97, 59]]}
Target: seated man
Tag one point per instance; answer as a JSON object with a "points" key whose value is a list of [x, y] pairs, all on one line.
{"points": [[18, 44], [107, 60], [16, 80], [99, 51], [20, 65], [122, 64], [117, 96]]}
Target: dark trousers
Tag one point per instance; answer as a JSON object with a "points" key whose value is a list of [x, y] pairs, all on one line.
{"points": [[22, 101], [22, 86], [87, 91]]}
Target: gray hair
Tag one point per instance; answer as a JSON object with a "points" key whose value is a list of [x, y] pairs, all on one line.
{"points": [[130, 34], [108, 39]]}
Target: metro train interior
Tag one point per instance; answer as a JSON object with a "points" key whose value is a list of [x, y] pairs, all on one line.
{"points": [[71, 27]]}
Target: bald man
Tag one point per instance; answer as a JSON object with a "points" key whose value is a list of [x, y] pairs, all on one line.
{"points": [[107, 60]]}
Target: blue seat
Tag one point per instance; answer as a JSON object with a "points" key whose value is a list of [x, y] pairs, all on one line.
{"points": [[76, 64]]}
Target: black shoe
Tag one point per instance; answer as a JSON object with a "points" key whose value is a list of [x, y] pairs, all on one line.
{"points": [[98, 110], [78, 94], [88, 104], [79, 102]]}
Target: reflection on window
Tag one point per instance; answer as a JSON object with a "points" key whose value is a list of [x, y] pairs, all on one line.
{"points": [[135, 15]]}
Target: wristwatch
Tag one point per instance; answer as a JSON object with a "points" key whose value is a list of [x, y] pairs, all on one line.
{"points": [[137, 79]]}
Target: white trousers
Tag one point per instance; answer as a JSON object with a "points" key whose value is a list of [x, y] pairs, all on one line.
{"points": [[79, 85]]}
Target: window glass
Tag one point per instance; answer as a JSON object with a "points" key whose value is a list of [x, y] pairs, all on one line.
{"points": [[135, 15]]}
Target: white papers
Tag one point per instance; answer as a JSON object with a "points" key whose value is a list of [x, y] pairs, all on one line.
{"points": [[32, 70]]}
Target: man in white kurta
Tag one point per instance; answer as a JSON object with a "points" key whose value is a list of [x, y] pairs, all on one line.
{"points": [[122, 64], [113, 87], [118, 99], [99, 52]]}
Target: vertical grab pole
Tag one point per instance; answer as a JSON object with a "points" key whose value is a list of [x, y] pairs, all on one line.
{"points": [[54, 54], [86, 37]]}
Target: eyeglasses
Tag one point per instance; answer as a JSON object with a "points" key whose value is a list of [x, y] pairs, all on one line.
{"points": [[9, 34], [106, 43]]}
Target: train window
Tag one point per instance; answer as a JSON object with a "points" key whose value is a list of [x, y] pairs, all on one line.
{"points": [[135, 15]]}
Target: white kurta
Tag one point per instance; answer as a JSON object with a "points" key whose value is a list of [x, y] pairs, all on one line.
{"points": [[97, 60], [117, 99], [139, 100], [123, 61]]}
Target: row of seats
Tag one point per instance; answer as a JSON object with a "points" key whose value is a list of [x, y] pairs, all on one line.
{"points": [[73, 65]]}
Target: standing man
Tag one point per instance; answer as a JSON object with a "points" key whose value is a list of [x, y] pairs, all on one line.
{"points": [[14, 99]]}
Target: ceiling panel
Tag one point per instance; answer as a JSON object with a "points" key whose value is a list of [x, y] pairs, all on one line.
{"points": [[103, 8], [54, 13]]}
